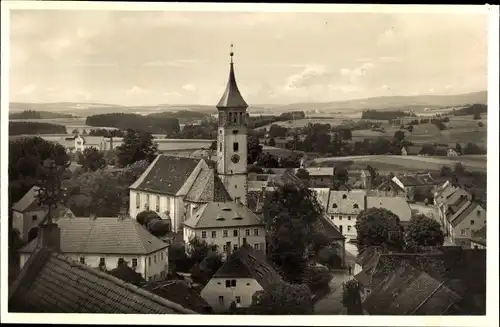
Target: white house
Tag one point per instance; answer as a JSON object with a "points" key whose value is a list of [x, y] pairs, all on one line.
{"points": [[344, 208], [228, 225], [463, 219], [27, 214], [245, 272], [478, 239], [102, 242], [84, 142]]}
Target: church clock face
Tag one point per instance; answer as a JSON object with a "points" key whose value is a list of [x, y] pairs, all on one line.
{"points": [[235, 158]]}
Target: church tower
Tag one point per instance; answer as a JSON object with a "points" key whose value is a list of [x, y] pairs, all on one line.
{"points": [[232, 139]]}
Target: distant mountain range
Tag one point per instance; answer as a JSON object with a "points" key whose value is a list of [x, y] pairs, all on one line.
{"points": [[417, 102]]}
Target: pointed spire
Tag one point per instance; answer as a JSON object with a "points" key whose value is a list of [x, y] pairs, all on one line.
{"points": [[232, 97]]}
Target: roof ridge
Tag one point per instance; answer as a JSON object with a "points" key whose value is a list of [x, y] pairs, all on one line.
{"points": [[146, 172], [158, 299], [136, 226], [85, 243]]}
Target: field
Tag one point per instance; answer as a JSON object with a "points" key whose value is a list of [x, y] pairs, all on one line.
{"points": [[405, 163], [299, 123], [462, 129]]}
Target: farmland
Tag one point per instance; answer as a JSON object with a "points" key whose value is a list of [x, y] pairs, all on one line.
{"points": [[404, 163]]}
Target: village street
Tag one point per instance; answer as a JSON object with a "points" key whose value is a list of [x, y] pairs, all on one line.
{"points": [[331, 304]]}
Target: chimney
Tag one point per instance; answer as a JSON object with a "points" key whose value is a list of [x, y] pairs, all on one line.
{"points": [[50, 237]]}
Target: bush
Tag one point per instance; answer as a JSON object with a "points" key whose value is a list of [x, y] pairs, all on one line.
{"points": [[159, 227], [329, 257], [317, 278], [144, 217]]}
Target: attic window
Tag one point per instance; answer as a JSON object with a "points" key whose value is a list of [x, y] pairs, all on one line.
{"points": [[237, 218], [334, 205], [226, 209], [220, 218], [344, 196], [355, 206], [235, 131]]}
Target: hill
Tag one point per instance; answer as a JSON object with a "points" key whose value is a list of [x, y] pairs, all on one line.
{"points": [[33, 114], [417, 102]]}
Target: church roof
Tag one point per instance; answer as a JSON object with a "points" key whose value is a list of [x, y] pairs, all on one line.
{"points": [[223, 214], [207, 188], [232, 97]]}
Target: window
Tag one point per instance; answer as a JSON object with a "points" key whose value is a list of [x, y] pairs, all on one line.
{"points": [[203, 234], [230, 282], [224, 233], [235, 247], [102, 261], [137, 200], [147, 200], [134, 262], [157, 203], [348, 228], [149, 261], [220, 146], [214, 234], [235, 146], [238, 299], [348, 217], [235, 233], [161, 256], [256, 246], [224, 248], [154, 258], [221, 299], [476, 247], [344, 196], [334, 205], [355, 206], [463, 232], [479, 212], [33, 217], [340, 217], [82, 260], [256, 232], [247, 232], [235, 117], [472, 222]]}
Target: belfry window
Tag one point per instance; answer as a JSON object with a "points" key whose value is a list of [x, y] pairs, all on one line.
{"points": [[235, 118], [235, 146]]}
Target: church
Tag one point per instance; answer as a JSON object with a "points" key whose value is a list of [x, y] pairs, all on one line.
{"points": [[178, 187]]}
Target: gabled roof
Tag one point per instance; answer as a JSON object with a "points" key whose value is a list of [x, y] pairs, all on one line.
{"points": [[207, 187], [246, 262], [103, 235], [28, 202], [396, 204], [180, 292], [53, 283], [223, 214], [232, 97], [166, 174], [410, 291], [346, 202], [326, 226], [470, 207]]}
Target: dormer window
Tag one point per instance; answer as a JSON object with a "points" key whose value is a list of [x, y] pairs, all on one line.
{"points": [[344, 196], [355, 206], [334, 205]]}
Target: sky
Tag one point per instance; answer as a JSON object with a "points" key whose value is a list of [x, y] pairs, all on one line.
{"points": [[148, 58]]}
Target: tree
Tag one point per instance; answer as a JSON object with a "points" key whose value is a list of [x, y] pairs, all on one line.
{"points": [[282, 299], [399, 136], [198, 249], [379, 227], [351, 298], [423, 231], [271, 142], [145, 216], [458, 148], [303, 175], [317, 278], [329, 256], [476, 116], [410, 128], [203, 271], [136, 146], [91, 159], [49, 194], [340, 177], [254, 148], [459, 169], [446, 171], [213, 146], [480, 124], [346, 135], [84, 132], [75, 132], [290, 214]]}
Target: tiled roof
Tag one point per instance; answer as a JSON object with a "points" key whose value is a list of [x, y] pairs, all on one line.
{"points": [[232, 97], [223, 214], [103, 235], [319, 171], [180, 292], [346, 202], [479, 236], [166, 174], [53, 283], [326, 225], [457, 207], [322, 195], [246, 262], [407, 291], [127, 274], [397, 205], [207, 188], [27, 201], [471, 207]]}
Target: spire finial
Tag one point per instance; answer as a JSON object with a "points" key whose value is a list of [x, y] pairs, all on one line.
{"points": [[231, 53]]}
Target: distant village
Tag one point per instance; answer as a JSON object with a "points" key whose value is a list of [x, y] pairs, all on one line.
{"points": [[202, 231]]}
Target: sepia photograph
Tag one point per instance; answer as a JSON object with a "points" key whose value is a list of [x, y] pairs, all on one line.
{"points": [[217, 159]]}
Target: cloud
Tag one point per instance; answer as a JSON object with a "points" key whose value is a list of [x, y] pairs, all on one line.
{"points": [[190, 87], [137, 91], [310, 76], [28, 89]]}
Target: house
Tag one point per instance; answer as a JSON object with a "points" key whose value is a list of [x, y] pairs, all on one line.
{"points": [[106, 241], [320, 177], [245, 272], [344, 208], [446, 195], [451, 152], [398, 205], [464, 217], [50, 282], [178, 185], [228, 225], [327, 227], [405, 275], [181, 292], [85, 142], [478, 239], [27, 214], [411, 150]]}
